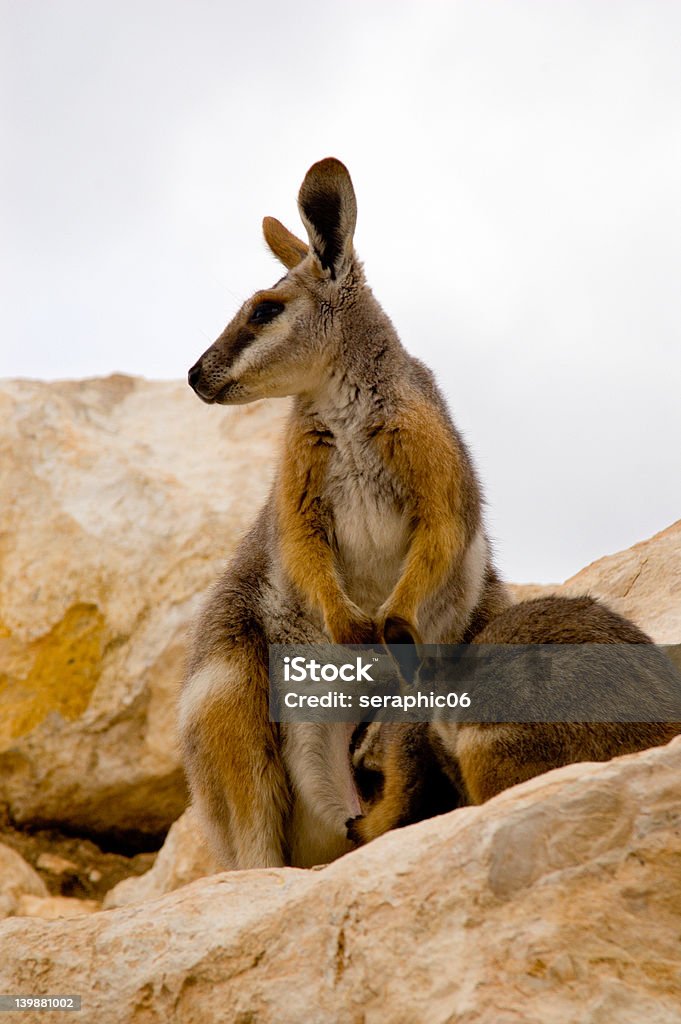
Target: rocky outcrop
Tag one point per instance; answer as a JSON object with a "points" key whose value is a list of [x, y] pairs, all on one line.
{"points": [[643, 583], [24, 894], [124, 498], [17, 879], [183, 858], [51, 908], [70, 866], [559, 900]]}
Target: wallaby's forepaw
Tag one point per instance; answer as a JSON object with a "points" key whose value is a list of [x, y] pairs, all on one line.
{"points": [[354, 629], [353, 829]]}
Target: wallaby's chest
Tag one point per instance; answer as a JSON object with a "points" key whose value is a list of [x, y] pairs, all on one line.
{"points": [[371, 529]]}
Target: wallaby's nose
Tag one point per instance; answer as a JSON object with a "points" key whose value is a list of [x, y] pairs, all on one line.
{"points": [[194, 375]]}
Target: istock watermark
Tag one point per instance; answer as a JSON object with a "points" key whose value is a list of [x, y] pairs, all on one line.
{"points": [[476, 683], [298, 670]]}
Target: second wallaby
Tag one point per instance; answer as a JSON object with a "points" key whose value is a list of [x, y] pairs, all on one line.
{"points": [[443, 764], [373, 527]]}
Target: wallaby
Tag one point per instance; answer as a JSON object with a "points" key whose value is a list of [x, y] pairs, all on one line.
{"points": [[373, 526], [480, 760], [403, 775]]}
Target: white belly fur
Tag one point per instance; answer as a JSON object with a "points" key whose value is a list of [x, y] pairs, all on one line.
{"points": [[372, 537]]}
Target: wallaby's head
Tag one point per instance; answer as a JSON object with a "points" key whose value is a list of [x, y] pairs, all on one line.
{"points": [[283, 339]]}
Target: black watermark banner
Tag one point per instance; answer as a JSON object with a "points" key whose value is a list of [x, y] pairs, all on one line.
{"points": [[475, 683]]}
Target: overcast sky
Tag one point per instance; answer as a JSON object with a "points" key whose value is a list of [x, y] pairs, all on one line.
{"points": [[518, 173]]}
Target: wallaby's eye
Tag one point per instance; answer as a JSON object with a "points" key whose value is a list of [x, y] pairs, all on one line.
{"points": [[266, 311]]}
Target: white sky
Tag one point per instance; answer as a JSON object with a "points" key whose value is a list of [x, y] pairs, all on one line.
{"points": [[518, 173]]}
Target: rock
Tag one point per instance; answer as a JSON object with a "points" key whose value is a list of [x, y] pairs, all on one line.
{"points": [[72, 866], [124, 498], [56, 865], [183, 858], [643, 583], [17, 879], [51, 908], [558, 901]]}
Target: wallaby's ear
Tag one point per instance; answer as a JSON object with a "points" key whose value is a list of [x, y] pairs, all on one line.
{"points": [[283, 243], [329, 211]]}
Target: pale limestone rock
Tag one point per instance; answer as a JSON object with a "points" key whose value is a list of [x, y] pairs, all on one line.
{"points": [[17, 878], [558, 901], [183, 858], [51, 908], [122, 499], [56, 865], [643, 583]]}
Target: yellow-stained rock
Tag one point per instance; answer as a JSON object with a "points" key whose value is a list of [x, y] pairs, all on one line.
{"points": [[57, 672]]}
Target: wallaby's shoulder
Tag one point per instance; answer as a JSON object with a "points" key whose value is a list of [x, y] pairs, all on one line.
{"points": [[422, 380]]}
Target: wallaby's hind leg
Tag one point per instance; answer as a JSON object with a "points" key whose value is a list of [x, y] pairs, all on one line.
{"points": [[233, 761], [494, 757]]}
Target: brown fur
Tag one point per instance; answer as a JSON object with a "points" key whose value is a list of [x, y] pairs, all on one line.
{"points": [[440, 506], [405, 782], [481, 760], [232, 726]]}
